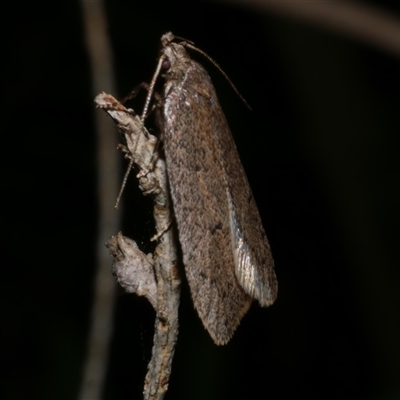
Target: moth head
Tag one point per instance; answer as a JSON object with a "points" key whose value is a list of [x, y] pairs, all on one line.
{"points": [[173, 53], [174, 59]]}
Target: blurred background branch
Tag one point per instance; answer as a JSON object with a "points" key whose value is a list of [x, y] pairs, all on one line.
{"points": [[100, 52], [353, 19]]}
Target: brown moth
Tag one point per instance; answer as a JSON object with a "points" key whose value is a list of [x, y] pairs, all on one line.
{"points": [[226, 254]]}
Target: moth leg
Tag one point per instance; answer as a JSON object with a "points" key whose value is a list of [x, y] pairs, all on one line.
{"points": [[124, 149], [134, 92], [151, 164], [153, 190], [159, 99], [161, 232]]}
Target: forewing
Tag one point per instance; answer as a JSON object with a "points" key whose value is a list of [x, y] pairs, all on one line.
{"points": [[193, 130]]}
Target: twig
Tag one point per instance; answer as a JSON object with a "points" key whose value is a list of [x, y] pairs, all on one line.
{"points": [[131, 265]]}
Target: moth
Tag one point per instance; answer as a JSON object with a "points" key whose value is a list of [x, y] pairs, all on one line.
{"points": [[226, 254]]}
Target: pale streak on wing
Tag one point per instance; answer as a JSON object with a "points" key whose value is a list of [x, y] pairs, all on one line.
{"points": [[262, 287]]}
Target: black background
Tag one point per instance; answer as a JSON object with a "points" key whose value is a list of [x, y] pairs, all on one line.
{"points": [[321, 152]]}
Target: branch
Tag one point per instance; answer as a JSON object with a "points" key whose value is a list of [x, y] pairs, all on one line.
{"points": [[139, 272]]}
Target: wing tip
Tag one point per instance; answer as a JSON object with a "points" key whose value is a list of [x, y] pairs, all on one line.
{"points": [[222, 324]]}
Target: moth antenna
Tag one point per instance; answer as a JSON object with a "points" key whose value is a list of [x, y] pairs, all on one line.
{"points": [[184, 40], [123, 184], [216, 65], [151, 87]]}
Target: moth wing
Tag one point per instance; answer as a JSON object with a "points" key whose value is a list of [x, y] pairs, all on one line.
{"points": [[254, 265], [199, 195]]}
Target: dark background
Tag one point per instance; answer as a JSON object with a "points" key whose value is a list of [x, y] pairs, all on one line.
{"points": [[321, 152]]}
